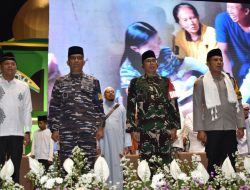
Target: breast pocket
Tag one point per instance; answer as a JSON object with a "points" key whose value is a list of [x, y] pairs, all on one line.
{"points": [[87, 88], [67, 93]]}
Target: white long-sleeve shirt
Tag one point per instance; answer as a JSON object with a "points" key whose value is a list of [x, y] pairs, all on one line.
{"points": [[195, 144], [42, 145], [15, 108]]}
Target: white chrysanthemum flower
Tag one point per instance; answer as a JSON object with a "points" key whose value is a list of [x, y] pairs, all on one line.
{"points": [[59, 180], [158, 181], [50, 184], [43, 179], [183, 176], [88, 178]]}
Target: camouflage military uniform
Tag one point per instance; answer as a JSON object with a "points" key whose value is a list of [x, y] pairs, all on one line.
{"points": [[157, 115], [76, 111]]}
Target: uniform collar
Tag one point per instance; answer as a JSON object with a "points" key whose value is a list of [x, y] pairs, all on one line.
{"points": [[152, 77], [76, 76]]}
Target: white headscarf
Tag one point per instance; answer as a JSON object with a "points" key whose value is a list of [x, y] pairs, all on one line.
{"points": [[212, 97]]}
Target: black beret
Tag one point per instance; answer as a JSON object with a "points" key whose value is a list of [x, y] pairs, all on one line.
{"points": [[214, 52], [75, 50], [148, 54], [7, 56], [42, 118]]}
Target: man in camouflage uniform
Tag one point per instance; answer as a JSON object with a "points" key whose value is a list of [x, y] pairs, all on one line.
{"points": [[76, 109], [152, 97]]}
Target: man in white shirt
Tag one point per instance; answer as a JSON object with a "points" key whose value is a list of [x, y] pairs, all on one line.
{"points": [[195, 144], [243, 143], [116, 141], [15, 114], [42, 144]]}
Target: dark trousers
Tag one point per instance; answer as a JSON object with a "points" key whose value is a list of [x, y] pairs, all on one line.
{"points": [[45, 163], [220, 144], [86, 140], [12, 147]]}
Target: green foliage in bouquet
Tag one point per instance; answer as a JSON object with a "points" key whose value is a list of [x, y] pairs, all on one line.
{"points": [[79, 176], [130, 179], [9, 185], [228, 178], [80, 166], [45, 180]]}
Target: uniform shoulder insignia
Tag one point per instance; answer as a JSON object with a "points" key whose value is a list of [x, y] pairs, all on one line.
{"points": [[100, 96], [62, 78]]}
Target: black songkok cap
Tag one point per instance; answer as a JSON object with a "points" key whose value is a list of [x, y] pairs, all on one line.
{"points": [[148, 54], [214, 52], [42, 118], [7, 56], [75, 50]]}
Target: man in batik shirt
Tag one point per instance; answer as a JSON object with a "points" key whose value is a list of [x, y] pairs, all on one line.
{"points": [[152, 97]]}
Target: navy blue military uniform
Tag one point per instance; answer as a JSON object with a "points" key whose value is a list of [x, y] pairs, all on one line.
{"points": [[76, 111]]}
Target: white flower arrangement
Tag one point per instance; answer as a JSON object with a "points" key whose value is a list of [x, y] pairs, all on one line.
{"points": [[152, 175], [79, 176], [44, 180], [158, 181], [228, 178], [181, 176], [6, 182]]}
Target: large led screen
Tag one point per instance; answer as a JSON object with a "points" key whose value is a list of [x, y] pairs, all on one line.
{"points": [[115, 33]]}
